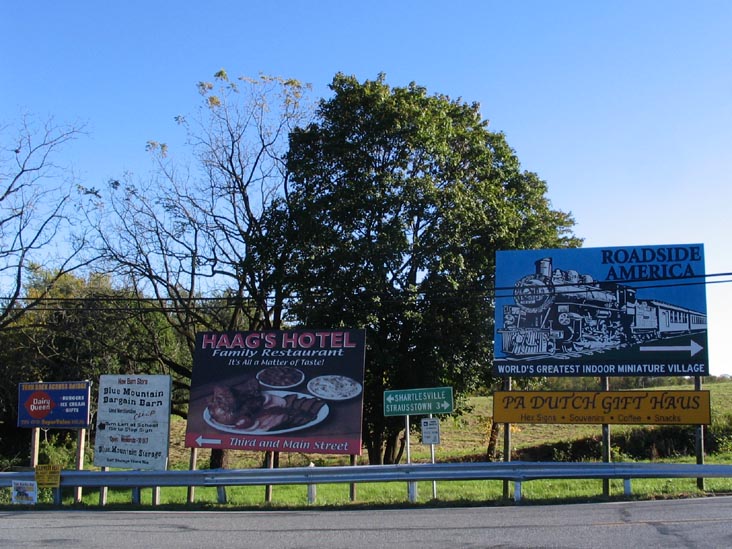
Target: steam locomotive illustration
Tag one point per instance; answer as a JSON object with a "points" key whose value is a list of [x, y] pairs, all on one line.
{"points": [[557, 311]]}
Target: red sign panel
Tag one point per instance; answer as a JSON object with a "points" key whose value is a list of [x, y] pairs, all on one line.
{"points": [[39, 404], [284, 391]]}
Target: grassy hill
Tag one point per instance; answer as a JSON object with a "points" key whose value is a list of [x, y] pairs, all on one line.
{"points": [[465, 438]]}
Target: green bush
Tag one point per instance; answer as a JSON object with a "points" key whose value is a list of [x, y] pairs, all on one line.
{"points": [[60, 448], [641, 443]]}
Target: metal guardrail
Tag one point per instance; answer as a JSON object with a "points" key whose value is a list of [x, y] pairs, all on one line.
{"points": [[516, 471]]}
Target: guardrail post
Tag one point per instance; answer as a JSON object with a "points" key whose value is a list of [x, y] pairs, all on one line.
{"points": [[517, 491], [412, 491], [312, 490], [626, 487]]}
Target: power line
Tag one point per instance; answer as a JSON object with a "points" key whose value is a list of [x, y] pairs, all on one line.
{"points": [[172, 304]]}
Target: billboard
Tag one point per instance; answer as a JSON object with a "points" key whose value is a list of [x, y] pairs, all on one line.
{"points": [[616, 311], [283, 391], [133, 422], [54, 405]]}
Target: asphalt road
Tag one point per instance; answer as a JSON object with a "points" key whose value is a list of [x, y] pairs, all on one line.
{"points": [[704, 522]]}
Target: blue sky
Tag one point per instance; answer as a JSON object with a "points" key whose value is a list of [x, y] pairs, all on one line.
{"points": [[623, 107]]}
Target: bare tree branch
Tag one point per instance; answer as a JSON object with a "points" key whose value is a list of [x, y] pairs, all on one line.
{"points": [[37, 226], [202, 232]]}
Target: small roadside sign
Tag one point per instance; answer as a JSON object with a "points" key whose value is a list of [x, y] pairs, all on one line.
{"points": [[48, 475], [133, 421], [54, 405], [406, 402], [430, 430], [24, 492]]}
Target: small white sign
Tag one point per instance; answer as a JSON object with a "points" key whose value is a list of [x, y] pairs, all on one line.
{"points": [[24, 492], [430, 430], [133, 422]]}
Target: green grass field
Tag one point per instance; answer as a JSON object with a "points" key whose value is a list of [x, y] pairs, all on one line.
{"points": [[462, 438]]}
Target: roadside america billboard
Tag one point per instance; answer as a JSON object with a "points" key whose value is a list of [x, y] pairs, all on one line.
{"points": [[616, 311]]}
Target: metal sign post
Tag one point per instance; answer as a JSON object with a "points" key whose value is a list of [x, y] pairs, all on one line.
{"points": [[431, 436], [428, 401], [411, 485]]}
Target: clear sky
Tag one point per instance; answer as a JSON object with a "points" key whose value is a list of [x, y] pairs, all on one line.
{"points": [[624, 107]]}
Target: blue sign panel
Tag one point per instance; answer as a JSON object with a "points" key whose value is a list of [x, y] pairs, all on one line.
{"points": [[621, 311], [59, 405]]}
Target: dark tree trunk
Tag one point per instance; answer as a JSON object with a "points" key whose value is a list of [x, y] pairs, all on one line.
{"points": [[400, 452], [490, 454], [219, 459]]}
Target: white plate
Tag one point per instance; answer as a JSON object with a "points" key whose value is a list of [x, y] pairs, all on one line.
{"points": [[333, 387], [322, 414]]}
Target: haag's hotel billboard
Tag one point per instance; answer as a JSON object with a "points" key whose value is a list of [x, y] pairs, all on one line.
{"points": [[616, 311], [279, 390]]}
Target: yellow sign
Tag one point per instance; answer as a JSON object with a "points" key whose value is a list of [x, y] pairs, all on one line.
{"points": [[48, 476], [603, 407]]}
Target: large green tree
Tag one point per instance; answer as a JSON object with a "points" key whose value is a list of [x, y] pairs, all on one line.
{"points": [[400, 200]]}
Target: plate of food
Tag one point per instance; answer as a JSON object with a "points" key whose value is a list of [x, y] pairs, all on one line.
{"points": [[280, 377], [268, 412], [334, 387]]}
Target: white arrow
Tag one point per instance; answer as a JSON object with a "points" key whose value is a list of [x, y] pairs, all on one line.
{"points": [[389, 398], [444, 405], [201, 441], [693, 348]]}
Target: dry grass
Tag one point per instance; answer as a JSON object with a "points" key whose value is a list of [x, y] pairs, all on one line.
{"points": [[463, 437]]}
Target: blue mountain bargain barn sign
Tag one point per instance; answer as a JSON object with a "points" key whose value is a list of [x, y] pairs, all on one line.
{"points": [[621, 311]]}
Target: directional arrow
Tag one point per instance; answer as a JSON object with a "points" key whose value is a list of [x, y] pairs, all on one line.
{"points": [[692, 348], [429, 400], [201, 441]]}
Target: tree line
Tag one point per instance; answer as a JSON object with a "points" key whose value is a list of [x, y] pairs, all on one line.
{"points": [[377, 207]]}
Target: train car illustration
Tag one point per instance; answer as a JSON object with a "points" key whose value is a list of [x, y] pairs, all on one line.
{"points": [[557, 311]]}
